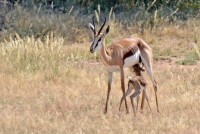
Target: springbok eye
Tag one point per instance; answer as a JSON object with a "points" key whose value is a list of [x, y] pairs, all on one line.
{"points": [[99, 39]]}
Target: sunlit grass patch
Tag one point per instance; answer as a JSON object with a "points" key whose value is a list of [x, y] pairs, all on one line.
{"points": [[30, 54]]}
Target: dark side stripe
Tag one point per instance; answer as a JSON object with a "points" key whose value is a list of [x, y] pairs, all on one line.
{"points": [[130, 53], [140, 59]]}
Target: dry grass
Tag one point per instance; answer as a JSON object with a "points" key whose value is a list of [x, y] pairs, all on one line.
{"points": [[49, 87], [73, 102]]}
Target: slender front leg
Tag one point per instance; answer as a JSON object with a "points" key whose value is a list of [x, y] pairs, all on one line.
{"points": [[123, 86], [109, 88], [126, 94]]}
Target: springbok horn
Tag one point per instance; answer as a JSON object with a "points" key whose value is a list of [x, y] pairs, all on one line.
{"points": [[94, 25], [102, 26]]}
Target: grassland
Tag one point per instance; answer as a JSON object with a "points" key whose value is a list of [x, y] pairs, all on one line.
{"points": [[51, 85]]}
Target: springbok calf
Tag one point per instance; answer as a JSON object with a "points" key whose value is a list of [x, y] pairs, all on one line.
{"points": [[139, 84], [121, 54]]}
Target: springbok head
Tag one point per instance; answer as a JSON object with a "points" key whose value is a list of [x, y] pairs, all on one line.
{"points": [[98, 36], [137, 68]]}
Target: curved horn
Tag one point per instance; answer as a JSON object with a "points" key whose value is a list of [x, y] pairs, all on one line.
{"points": [[93, 22], [102, 26]]}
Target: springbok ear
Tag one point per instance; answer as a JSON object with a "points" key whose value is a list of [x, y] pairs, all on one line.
{"points": [[107, 29], [91, 27]]}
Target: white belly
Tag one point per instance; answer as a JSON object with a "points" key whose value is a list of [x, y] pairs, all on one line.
{"points": [[128, 62], [132, 60]]}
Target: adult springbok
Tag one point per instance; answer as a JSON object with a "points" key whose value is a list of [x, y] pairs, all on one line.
{"points": [[121, 54]]}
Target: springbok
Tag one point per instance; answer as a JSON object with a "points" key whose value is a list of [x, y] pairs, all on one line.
{"points": [[121, 54], [139, 84]]}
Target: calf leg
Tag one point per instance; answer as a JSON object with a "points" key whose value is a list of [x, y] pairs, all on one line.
{"points": [[135, 94], [138, 99], [142, 103], [124, 95]]}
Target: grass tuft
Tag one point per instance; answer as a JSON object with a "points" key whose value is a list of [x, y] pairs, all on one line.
{"points": [[192, 57], [30, 54]]}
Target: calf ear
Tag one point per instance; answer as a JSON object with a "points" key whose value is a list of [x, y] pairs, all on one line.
{"points": [[129, 77], [91, 27], [141, 69]]}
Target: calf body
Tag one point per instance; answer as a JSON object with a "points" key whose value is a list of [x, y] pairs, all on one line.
{"points": [[138, 84]]}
